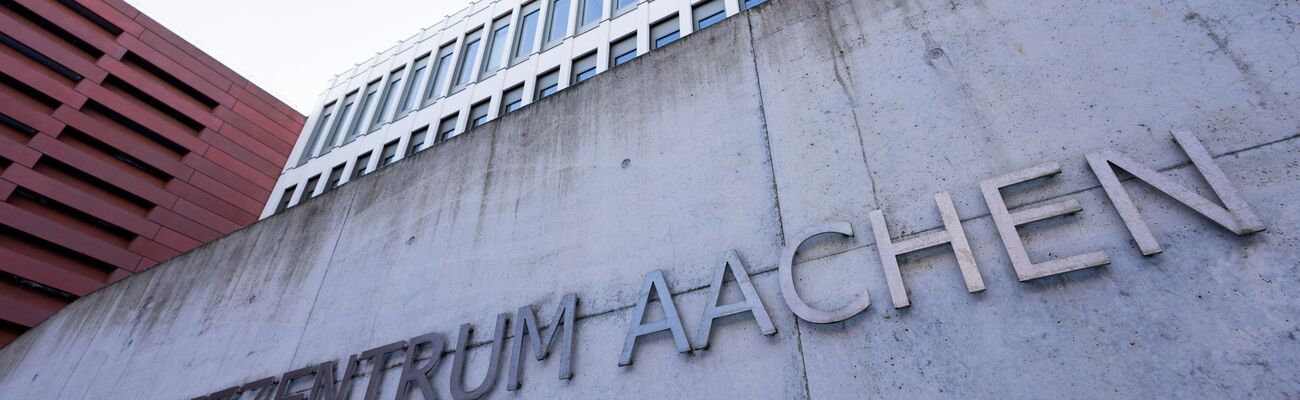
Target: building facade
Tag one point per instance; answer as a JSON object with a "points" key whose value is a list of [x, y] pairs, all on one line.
{"points": [[912, 199], [487, 60], [121, 146]]}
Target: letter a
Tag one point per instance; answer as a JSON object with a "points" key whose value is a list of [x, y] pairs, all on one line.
{"points": [[654, 281]]}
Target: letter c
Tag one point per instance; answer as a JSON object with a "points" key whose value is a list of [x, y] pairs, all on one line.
{"points": [[796, 303]]}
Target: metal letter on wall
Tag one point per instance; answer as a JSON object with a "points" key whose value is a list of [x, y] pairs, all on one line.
{"points": [[1007, 222], [378, 359], [1237, 216], [418, 375], [458, 391], [796, 303], [952, 233], [526, 324], [286, 383], [654, 281], [263, 387], [326, 387], [751, 303]]}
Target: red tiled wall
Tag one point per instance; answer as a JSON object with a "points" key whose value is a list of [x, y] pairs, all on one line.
{"points": [[121, 145]]}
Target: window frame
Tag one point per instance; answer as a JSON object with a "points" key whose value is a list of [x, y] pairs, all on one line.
{"points": [[486, 106], [473, 38], [615, 55], [411, 93], [391, 84], [411, 146], [502, 53], [505, 99], [538, 88], [575, 74], [533, 8], [549, 30], [442, 134], [436, 88], [360, 165], [654, 39], [697, 20]]}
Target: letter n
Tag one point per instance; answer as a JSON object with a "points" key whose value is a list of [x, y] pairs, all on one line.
{"points": [[1236, 216]]}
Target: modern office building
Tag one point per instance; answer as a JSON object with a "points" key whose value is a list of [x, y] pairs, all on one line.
{"points": [[121, 146], [810, 199], [487, 60]]}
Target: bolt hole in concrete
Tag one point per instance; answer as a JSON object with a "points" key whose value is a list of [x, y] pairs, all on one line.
{"points": [[936, 53], [410, 241], [626, 163]]}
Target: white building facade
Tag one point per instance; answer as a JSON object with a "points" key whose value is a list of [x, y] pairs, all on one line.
{"points": [[486, 60]]}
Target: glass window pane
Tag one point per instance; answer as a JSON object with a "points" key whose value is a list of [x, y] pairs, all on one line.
{"points": [[558, 27], [309, 149], [330, 140], [709, 13], [389, 153], [621, 4], [751, 3], [478, 114], [527, 34], [497, 46], [665, 32], [390, 97], [548, 84], [412, 95], [466, 70], [359, 167], [440, 72], [590, 12], [367, 107], [447, 126], [623, 50], [513, 99]]}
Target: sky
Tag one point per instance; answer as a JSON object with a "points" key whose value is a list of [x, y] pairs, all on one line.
{"points": [[292, 48]]}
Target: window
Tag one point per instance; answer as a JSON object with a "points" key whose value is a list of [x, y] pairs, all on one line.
{"points": [[584, 67], [709, 13], [345, 113], [411, 98], [367, 107], [478, 113], [336, 175], [622, 51], [309, 149], [390, 96], [465, 72], [389, 154], [548, 84], [526, 38], [417, 140], [496, 46], [557, 27], [665, 32], [285, 198], [591, 13], [309, 189], [748, 4], [440, 70], [359, 168], [620, 5], [512, 99], [447, 127]]}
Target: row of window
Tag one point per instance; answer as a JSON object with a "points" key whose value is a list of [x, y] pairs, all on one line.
{"points": [[364, 111]]}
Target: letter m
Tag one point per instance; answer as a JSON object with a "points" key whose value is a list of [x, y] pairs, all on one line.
{"points": [[526, 326]]}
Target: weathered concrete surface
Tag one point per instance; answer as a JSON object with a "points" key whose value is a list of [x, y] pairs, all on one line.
{"points": [[798, 112]]}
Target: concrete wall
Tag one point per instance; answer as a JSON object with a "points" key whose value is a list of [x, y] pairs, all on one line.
{"points": [[797, 113]]}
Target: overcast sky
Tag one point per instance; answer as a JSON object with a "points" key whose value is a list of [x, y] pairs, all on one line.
{"points": [[292, 48]]}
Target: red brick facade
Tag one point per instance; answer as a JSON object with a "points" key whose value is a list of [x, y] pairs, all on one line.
{"points": [[121, 145]]}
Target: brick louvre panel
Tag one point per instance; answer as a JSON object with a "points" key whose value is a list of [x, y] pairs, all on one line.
{"points": [[121, 145]]}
